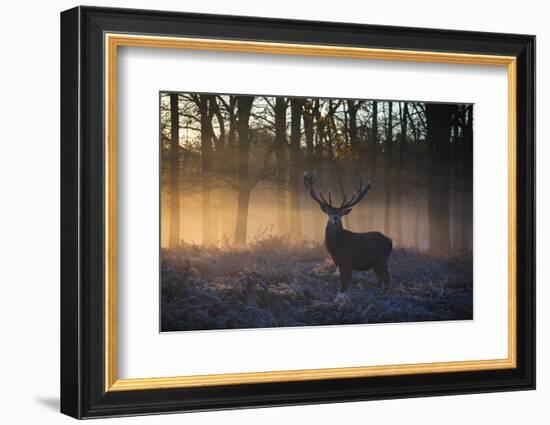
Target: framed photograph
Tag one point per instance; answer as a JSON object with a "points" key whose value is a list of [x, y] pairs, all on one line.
{"points": [[261, 212]]}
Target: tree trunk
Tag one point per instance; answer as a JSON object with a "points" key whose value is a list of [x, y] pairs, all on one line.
{"points": [[231, 134], [387, 171], [296, 105], [208, 228], [320, 129], [466, 215], [309, 130], [174, 236], [244, 105], [220, 197], [371, 160], [358, 157], [228, 165], [281, 164], [319, 135], [352, 111], [438, 123], [400, 164]]}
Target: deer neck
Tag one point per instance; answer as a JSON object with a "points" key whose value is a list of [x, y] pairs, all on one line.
{"points": [[333, 227], [332, 234]]}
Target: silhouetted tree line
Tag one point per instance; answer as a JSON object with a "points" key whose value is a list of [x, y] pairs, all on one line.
{"points": [[213, 145]]}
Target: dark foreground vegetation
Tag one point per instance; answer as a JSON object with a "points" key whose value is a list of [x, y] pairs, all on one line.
{"points": [[277, 283]]}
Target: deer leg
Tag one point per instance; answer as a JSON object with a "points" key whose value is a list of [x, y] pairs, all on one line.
{"points": [[381, 274], [345, 277], [386, 274]]}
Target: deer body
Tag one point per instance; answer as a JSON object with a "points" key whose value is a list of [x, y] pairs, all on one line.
{"points": [[349, 250], [358, 251]]}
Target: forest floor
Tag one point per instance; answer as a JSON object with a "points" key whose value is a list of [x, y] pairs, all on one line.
{"points": [[276, 283]]}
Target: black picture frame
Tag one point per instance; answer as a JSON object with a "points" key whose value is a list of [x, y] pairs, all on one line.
{"points": [[83, 392]]}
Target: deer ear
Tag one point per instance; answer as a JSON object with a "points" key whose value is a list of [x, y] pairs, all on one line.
{"points": [[346, 212], [324, 209]]}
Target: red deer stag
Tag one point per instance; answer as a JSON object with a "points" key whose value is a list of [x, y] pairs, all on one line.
{"points": [[352, 251]]}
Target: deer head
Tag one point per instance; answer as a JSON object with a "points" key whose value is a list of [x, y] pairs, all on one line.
{"points": [[335, 213]]}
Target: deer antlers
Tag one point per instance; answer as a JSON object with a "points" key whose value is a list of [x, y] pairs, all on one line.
{"points": [[360, 192]]}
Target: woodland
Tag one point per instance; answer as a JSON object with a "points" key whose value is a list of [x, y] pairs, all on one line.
{"points": [[242, 240]]}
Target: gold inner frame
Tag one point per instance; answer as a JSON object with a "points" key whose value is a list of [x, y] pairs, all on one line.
{"points": [[113, 41]]}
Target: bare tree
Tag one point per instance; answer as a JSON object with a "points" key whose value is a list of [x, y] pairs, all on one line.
{"points": [[308, 114], [372, 160], [208, 225], [296, 105], [281, 164], [388, 170], [438, 122], [353, 107], [244, 105], [466, 158], [400, 165], [174, 238]]}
